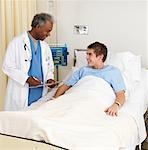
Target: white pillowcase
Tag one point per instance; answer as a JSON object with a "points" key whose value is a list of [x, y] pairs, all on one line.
{"points": [[128, 63], [130, 66], [80, 58]]}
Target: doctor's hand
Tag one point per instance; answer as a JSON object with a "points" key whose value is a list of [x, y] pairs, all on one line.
{"points": [[33, 81], [112, 110], [52, 83]]}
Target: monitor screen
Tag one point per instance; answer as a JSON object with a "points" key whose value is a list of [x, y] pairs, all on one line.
{"points": [[59, 55]]}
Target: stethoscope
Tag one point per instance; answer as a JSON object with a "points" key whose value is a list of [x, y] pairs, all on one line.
{"points": [[27, 52]]}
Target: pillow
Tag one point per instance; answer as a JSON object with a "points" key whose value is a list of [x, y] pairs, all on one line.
{"points": [[128, 63], [130, 66], [80, 58]]}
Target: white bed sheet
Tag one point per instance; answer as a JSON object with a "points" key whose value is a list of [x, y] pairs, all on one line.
{"points": [[77, 120]]}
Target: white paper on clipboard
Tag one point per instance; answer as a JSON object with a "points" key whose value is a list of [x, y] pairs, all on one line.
{"points": [[43, 85]]}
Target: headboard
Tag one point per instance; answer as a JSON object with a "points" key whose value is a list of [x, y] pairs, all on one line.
{"points": [[78, 53]]}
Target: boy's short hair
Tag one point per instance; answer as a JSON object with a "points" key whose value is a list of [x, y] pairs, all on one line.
{"points": [[99, 49]]}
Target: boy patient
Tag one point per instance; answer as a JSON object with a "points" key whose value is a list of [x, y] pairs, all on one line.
{"points": [[96, 56]]}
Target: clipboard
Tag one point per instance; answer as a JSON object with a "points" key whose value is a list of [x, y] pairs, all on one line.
{"points": [[44, 85]]}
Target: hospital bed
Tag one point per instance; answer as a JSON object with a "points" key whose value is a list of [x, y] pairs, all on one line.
{"points": [[74, 122]]}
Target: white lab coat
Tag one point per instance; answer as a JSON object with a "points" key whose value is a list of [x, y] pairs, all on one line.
{"points": [[16, 65]]}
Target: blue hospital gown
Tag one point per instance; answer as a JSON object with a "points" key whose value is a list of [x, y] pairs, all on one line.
{"points": [[109, 73]]}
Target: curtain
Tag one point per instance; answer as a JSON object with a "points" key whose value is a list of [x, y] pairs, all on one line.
{"points": [[15, 18]]}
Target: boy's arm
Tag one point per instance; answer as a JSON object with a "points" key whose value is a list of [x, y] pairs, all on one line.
{"points": [[119, 101], [61, 90], [75, 77], [120, 98]]}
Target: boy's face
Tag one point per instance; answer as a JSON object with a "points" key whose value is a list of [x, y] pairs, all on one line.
{"points": [[92, 59]]}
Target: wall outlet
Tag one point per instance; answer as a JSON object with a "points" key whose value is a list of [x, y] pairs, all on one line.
{"points": [[81, 29]]}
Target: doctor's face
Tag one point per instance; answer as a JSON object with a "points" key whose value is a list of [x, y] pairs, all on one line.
{"points": [[42, 32], [93, 60]]}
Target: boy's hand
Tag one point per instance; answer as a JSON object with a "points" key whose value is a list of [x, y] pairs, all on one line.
{"points": [[112, 110], [52, 82]]}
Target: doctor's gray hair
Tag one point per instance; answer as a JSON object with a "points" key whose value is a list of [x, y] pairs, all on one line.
{"points": [[99, 49], [40, 19]]}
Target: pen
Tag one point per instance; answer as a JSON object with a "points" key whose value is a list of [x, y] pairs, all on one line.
{"points": [[37, 79]]}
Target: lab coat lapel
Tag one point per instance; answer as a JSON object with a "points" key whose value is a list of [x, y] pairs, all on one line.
{"points": [[43, 52], [26, 40]]}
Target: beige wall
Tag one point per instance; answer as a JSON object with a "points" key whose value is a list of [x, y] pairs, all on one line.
{"points": [[48, 6]]}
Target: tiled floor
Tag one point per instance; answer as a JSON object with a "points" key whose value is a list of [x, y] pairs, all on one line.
{"points": [[145, 146], [145, 143]]}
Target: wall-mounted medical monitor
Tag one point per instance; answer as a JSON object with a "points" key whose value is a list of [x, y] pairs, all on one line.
{"points": [[59, 54]]}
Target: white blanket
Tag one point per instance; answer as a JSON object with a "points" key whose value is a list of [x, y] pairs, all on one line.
{"points": [[76, 120]]}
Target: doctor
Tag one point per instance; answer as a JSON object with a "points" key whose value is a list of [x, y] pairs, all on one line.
{"points": [[28, 62]]}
